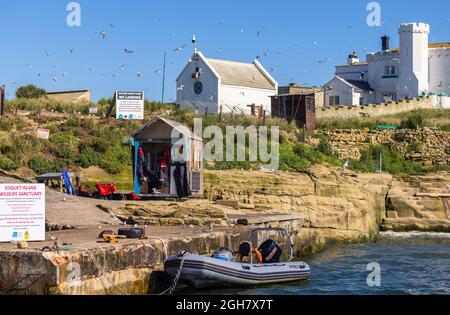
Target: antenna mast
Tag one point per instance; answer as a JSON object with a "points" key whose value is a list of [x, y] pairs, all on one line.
{"points": [[194, 42], [164, 78]]}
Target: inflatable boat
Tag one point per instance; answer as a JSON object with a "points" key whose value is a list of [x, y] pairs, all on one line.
{"points": [[222, 270]]}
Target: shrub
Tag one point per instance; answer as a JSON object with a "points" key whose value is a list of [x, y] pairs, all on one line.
{"points": [[64, 138], [324, 146], [73, 122], [414, 147], [100, 145], [6, 124], [391, 162], [20, 123], [8, 164], [40, 165], [88, 124], [413, 121], [87, 158], [52, 128], [116, 159], [290, 160], [64, 151], [111, 166], [30, 91]]}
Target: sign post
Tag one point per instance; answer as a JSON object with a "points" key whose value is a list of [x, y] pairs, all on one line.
{"points": [[2, 100], [22, 212], [129, 105]]}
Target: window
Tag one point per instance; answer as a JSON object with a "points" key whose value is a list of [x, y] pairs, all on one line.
{"points": [[310, 104], [331, 100], [361, 101], [390, 72], [388, 97], [198, 88], [334, 100], [337, 100]]}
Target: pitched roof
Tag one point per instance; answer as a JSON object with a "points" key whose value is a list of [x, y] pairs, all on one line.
{"points": [[241, 74], [362, 85], [182, 129]]}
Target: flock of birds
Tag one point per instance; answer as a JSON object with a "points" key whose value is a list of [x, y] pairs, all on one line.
{"points": [[105, 34]]}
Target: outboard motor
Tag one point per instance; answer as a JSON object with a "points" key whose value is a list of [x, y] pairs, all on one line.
{"points": [[270, 251]]}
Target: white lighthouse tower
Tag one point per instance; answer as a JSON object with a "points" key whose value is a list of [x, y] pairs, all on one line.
{"points": [[413, 70]]}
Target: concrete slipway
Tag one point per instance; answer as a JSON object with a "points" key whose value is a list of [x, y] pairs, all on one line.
{"points": [[130, 267]]}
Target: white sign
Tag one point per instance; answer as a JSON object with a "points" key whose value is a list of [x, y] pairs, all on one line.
{"points": [[43, 133], [130, 105], [22, 212], [93, 110]]}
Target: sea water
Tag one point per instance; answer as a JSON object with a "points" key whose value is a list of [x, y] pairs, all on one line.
{"points": [[409, 263]]}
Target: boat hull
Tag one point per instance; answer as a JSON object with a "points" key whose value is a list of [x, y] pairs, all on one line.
{"points": [[206, 272]]}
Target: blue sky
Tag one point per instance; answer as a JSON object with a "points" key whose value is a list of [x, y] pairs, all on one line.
{"points": [[295, 34]]}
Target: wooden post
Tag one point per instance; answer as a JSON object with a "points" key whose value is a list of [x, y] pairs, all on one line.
{"points": [[111, 107], [206, 111], [2, 100], [304, 133], [220, 113], [264, 117]]}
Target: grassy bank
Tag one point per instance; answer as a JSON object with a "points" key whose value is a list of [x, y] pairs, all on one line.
{"points": [[83, 143], [431, 118]]}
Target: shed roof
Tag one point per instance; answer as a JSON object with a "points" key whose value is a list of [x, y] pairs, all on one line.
{"points": [[68, 92], [241, 74], [184, 130]]}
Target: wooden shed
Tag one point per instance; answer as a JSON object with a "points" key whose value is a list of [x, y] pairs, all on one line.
{"points": [[300, 108], [167, 160]]}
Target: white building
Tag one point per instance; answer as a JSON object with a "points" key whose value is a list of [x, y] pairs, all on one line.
{"points": [[416, 68], [212, 85]]}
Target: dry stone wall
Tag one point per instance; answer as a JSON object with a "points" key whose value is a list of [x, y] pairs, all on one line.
{"points": [[426, 146]]}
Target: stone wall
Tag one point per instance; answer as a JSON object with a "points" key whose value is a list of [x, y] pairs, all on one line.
{"points": [[425, 146], [374, 110]]}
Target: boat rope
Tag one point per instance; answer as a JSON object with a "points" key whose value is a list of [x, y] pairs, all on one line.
{"points": [[107, 276], [174, 284]]}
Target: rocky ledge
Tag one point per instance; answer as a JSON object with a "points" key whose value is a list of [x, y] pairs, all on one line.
{"points": [[419, 203]]}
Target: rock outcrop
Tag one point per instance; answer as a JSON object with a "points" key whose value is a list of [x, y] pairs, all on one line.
{"points": [[335, 206], [419, 203]]}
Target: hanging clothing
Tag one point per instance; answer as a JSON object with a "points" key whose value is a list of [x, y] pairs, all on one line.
{"points": [[181, 179], [165, 160], [140, 165]]}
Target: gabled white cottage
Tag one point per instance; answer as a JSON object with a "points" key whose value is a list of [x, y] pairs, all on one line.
{"points": [[207, 84]]}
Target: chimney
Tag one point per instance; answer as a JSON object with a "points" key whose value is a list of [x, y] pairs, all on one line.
{"points": [[385, 42], [353, 58]]}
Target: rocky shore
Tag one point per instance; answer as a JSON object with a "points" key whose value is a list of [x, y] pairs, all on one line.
{"points": [[319, 207]]}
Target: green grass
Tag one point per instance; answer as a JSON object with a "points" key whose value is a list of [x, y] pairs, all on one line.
{"points": [[428, 118], [392, 162]]}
